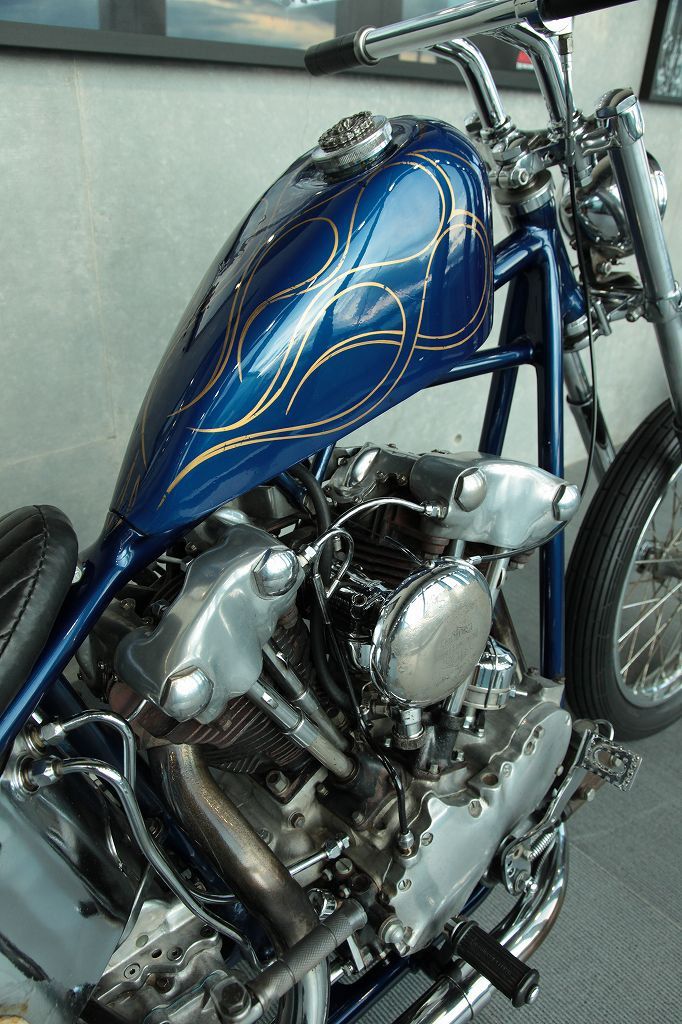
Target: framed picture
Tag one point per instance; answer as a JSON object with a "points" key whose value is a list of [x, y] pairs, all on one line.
{"points": [[264, 32], [662, 80]]}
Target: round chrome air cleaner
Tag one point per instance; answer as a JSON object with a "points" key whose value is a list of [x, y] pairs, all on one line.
{"points": [[352, 141], [430, 634]]}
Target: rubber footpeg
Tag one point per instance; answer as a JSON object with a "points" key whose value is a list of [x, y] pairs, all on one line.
{"points": [[509, 975]]}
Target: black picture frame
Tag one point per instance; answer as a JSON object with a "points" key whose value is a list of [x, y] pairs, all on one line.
{"points": [[662, 78], [38, 36]]}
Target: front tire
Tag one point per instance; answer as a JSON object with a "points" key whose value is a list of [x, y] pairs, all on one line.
{"points": [[624, 588]]}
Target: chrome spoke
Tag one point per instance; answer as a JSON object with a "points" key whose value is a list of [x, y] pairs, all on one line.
{"points": [[664, 681], [646, 615], [647, 644], [639, 604]]}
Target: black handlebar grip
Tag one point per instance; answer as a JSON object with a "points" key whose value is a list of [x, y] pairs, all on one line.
{"points": [[336, 55], [551, 9], [505, 971]]}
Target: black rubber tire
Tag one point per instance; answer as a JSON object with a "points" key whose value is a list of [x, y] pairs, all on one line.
{"points": [[597, 571]]}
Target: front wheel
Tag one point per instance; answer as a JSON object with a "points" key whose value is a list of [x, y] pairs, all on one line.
{"points": [[624, 587]]}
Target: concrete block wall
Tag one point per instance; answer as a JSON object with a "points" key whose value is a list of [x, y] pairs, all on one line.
{"points": [[121, 179]]}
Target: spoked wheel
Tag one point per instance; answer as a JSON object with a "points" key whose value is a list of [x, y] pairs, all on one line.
{"points": [[624, 588]]}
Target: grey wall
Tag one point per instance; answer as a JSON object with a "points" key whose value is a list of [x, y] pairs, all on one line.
{"points": [[120, 180]]}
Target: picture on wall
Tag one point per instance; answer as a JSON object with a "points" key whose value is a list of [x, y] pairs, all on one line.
{"points": [[662, 81], [265, 32]]}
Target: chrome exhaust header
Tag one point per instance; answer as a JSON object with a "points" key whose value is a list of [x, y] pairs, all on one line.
{"points": [[457, 998]]}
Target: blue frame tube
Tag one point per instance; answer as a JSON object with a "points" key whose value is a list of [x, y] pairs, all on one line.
{"points": [[542, 294]]}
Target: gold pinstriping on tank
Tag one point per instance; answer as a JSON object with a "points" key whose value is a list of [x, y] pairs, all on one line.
{"points": [[459, 220], [312, 284]]}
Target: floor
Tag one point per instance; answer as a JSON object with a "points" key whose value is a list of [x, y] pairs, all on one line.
{"points": [[615, 954]]}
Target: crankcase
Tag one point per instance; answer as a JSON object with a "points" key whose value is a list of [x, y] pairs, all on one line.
{"points": [[505, 775]]}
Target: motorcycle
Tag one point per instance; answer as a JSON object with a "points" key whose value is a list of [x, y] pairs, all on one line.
{"points": [[303, 744]]}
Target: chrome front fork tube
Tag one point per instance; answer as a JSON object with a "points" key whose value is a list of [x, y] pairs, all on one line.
{"points": [[579, 394], [620, 115]]}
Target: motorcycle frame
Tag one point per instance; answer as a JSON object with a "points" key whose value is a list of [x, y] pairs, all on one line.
{"points": [[543, 295]]}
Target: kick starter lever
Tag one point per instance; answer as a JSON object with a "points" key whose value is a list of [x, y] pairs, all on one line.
{"points": [[510, 976]]}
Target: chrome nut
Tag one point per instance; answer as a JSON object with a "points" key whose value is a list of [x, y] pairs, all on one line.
{"points": [[186, 694], [335, 847], [42, 773], [51, 732], [470, 489], [276, 572]]}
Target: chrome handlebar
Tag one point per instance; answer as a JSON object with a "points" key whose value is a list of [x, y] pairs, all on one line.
{"points": [[468, 18], [368, 46]]}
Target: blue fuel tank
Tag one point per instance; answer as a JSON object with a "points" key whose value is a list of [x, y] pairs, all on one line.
{"points": [[336, 298]]}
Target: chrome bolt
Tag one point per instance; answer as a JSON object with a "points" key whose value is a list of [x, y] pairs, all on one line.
{"points": [[532, 995], [131, 971], [186, 694], [506, 769], [297, 820], [358, 817], [404, 884], [175, 953], [427, 838]]}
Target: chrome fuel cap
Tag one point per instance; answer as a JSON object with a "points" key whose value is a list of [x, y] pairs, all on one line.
{"points": [[352, 141]]}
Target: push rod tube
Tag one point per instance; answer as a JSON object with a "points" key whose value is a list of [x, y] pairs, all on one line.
{"points": [[301, 730], [302, 696]]}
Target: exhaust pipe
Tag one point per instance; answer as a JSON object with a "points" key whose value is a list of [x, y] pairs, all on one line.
{"points": [[244, 861], [457, 1000]]}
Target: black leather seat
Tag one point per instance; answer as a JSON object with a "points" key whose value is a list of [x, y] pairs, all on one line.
{"points": [[38, 556]]}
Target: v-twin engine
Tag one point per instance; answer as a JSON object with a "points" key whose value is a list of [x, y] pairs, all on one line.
{"points": [[355, 686]]}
